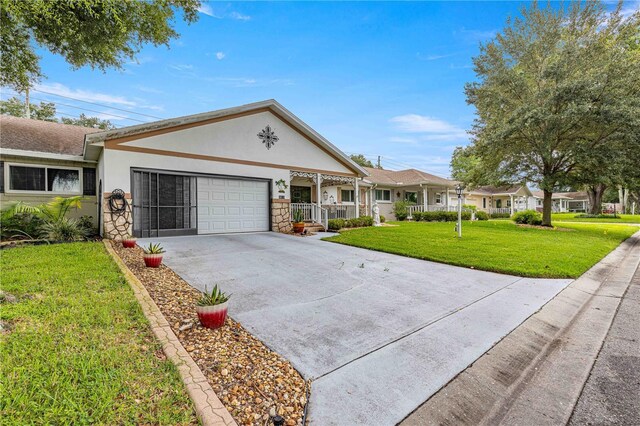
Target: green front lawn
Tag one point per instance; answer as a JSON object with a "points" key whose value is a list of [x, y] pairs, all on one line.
{"points": [[498, 246], [77, 348], [571, 217]]}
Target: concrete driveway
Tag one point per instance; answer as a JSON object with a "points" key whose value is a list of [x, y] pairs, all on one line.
{"points": [[377, 333]]}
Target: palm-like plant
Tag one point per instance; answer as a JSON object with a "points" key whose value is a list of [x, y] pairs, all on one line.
{"points": [[55, 225], [215, 297]]}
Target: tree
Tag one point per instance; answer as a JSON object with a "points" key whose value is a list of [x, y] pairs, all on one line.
{"points": [[361, 160], [85, 121], [555, 88], [101, 34], [44, 111]]}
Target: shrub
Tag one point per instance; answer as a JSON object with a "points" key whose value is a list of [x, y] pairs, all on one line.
{"points": [[417, 216], [528, 217], [382, 219], [336, 224], [443, 216], [480, 215], [23, 225], [598, 216], [469, 207], [87, 223], [500, 215], [65, 229], [400, 209], [366, 221]]}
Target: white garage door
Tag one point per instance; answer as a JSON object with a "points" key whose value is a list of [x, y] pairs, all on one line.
{"points": [[229, 205]]}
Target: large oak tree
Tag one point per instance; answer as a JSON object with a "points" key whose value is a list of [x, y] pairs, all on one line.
{"points": [[554, 90], [99, 33]]}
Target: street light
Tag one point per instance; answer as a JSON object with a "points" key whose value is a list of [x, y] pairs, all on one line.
{"points": [[459, 189]]}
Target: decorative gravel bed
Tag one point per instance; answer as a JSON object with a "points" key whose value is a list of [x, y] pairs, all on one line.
{"points": [[253, 382]]}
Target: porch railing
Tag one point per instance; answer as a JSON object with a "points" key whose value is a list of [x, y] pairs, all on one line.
{"points": [[340, 211], [431, 208], [311, 213]]}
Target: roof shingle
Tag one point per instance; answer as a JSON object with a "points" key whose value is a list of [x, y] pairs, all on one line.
{"points": [[404, 177], [42, 136]]}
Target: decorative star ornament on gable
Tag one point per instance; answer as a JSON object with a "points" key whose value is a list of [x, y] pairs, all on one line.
{"points": [[268, 137]]}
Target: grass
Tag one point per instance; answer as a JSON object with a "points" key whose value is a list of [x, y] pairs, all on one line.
{"points": [[497, 246], [571, 217], [79, 349]]}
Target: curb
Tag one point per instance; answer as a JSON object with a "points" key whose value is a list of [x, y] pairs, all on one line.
{"points": [[209, 409], [536, 373]]}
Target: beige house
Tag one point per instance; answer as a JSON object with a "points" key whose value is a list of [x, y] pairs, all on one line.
{"points": [[504, 199], [561, 202], [427, 191]]}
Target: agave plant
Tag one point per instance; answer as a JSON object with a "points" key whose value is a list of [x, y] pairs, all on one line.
{"points": [[298, 216], [215, 297], [154, 249]]}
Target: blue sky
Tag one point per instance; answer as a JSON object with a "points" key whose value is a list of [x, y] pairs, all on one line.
{"points": [[374, 78]]}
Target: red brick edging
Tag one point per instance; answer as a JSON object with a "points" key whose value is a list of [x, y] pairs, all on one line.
{"points": [[209, 408]]}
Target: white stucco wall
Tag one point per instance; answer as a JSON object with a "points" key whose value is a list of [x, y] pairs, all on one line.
{"points": [[237, 139], [119, 163]]}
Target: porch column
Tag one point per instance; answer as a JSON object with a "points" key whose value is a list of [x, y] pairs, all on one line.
{"points": [[511, 204], [356, 196], [318, 195], [447, 199], [425, 198]]}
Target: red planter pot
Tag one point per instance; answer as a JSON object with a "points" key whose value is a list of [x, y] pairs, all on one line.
{"points": [[152, 260], [298, 228], [212, 316], [128, 243]]}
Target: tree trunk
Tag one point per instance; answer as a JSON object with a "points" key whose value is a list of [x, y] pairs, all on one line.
{"points": [[595, 193], [546, 208]]}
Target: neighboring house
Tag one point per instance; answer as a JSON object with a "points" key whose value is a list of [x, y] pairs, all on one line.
{"points": [[563, 201], [503, 199], [40, 160], [428, 192], [232, 170]]}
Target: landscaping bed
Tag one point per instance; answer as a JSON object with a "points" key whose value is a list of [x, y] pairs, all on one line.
{"points": [[252, 381]]}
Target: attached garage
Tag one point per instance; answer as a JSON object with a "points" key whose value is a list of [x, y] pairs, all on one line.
{"points": [[232, 205]]}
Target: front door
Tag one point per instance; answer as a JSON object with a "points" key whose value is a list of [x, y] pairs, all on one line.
{"points": [[300, 194]]}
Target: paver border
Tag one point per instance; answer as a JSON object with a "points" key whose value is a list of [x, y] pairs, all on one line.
{"points": [[535, 374], [208, 406]]}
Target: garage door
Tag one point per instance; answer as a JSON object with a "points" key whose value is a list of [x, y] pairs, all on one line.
{"points": [[232, 205]]}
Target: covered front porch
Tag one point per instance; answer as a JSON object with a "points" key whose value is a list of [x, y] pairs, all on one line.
{"points": [[428, 198], [320, 197]]}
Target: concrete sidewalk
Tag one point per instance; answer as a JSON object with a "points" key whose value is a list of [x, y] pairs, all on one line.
{"points": [[612, 392], [535, 375]]}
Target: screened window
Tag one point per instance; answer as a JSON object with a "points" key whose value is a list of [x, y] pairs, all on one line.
{"points": [[346, 196], [44, 179], [383, 195]]}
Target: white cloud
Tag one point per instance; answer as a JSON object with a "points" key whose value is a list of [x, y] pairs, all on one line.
{"points": [[401, 140], [182, 67], [430, 128], [239, 16], [84, 95], [433, 57], [206, 9], [220, 55]]}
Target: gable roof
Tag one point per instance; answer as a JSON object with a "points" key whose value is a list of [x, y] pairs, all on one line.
{"points": [[405, 177], [496, 190], [179, 123], [25, 134]]}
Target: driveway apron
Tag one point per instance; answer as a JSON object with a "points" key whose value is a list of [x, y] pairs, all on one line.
{"points": [[377, 333]]}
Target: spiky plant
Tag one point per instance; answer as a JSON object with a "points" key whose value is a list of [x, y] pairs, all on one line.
{"points": [[215, 297], [153, 249]]}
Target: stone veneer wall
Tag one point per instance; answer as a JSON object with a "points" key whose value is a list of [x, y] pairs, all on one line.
{"points": [[280, 216], [116, 226]]}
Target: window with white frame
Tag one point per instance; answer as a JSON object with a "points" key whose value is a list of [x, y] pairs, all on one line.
{"points": [[346, 195], [383, 195], [484, 203], [31, 178], [438, 197]]}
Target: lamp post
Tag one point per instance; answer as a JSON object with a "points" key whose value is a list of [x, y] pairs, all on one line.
{"points": [[459, 189]]}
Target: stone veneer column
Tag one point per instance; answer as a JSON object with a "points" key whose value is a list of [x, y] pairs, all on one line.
{"points": [[280, 216], [116, 226]]}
